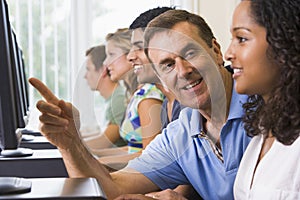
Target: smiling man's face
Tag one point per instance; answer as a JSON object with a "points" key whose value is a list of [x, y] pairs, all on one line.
{"points": [[186, 64], [140, 62]]}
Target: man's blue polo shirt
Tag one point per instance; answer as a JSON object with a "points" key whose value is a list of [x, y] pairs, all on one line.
{"points": [[178, 157]]}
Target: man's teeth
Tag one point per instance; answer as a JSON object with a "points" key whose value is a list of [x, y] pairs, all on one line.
{"points": [[137, 67], [193, 85], [236, 70]]}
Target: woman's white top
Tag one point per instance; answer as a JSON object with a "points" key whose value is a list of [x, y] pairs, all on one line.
{"points": [[277, 175]]}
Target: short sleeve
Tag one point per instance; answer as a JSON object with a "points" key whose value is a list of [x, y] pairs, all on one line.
{"points": [[116, 107], [158, 161]]}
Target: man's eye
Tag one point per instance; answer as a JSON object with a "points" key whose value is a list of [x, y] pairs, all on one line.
{"points": [[166, 68], [140, 48], [137, 48], [189, 54]]}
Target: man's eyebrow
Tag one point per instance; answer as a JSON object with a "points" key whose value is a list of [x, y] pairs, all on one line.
{"points": [[189, 46], [137, 43], [166, 60]]}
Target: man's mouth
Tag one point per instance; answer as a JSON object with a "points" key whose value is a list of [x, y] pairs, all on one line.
{"points": [[137, 68], [194, 84]]}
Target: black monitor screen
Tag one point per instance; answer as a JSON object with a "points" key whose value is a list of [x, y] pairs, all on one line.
{"points": [[18, 80], [24, 81], [8, 112], [11, 97]]}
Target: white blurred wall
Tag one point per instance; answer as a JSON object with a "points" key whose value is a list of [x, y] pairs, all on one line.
{"points": [[217, 14]]}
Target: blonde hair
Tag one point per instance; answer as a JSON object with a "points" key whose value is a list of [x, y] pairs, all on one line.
{"points": [[122, 39]]}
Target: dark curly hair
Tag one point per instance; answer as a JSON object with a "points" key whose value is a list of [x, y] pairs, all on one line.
{"points": [[281, 113]]}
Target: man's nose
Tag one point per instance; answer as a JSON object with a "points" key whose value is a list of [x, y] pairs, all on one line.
{"points": [[183, 68], [131, 56]]}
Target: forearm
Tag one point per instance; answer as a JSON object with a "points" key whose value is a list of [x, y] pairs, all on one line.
{"points": [[105, 139], [98, 142], [110, 151], [78, 160], [132, 182], [80, 163], [117, 162]]}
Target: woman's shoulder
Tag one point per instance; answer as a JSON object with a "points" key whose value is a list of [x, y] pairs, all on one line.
{"points": [[148, 90]]}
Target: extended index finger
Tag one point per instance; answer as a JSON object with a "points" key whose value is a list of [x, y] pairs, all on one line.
{"points": [[44, 90]]}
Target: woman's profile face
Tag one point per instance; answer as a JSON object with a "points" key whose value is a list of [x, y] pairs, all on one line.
{"points": [[116, 62], [254, 72]]}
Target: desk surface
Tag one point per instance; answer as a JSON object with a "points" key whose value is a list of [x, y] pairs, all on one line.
{"points": [[38, 142], [61, 188], [43, 163], [37, 154]]}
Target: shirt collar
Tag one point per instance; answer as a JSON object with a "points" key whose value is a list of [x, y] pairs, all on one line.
{"points": [[235, 111]]}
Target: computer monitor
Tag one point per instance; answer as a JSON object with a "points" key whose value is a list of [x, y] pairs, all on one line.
{"points": [[18, 80], [24, 81], [10, 95], [22, 91]]}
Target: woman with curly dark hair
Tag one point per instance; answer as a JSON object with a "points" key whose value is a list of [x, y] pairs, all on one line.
{"points": [[265, 56]]}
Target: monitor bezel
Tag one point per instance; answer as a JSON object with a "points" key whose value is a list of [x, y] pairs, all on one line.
{"points": [[8, 110]]}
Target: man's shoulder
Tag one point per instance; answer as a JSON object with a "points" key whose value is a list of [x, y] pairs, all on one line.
{"points": [[188, 113], [186, 125], [120, 90]]}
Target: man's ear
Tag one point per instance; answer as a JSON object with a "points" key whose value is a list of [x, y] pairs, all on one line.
{"points": [[217, 50]]}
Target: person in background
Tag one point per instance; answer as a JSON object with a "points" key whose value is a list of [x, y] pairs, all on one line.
{"points": [[142, 117], [145, 74], [265, 57], [113, 93], [202, 148]]}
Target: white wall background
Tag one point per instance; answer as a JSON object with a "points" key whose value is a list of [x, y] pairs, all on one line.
{"points": [[217, 14]]}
